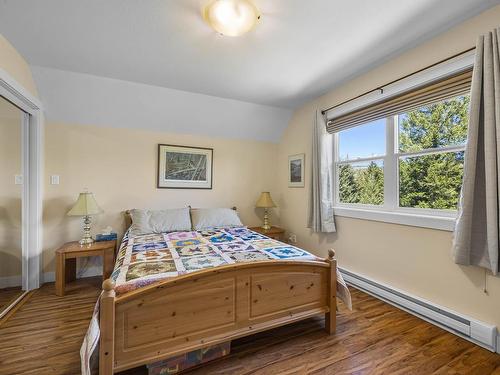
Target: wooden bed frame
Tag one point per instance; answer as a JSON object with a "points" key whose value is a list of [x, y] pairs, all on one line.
{"points": [[200, 309]]}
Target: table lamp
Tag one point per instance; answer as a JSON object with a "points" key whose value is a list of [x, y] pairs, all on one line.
{"points": [[265, 201], [85, 206]]}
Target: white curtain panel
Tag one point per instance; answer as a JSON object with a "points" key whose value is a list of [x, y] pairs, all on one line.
{"points": [[322, 185], [476, 236]]}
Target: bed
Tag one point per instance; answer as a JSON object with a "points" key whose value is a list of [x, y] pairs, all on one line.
{"points": [[172, 293]]}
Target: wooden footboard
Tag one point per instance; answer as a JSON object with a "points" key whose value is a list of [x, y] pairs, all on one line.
{"points": [[197, 310]]}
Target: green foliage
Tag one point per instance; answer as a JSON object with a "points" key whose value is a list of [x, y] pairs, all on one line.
{"points": [[436, 125], [427, 181], [433, 181], [349, 192], [361, 185]]}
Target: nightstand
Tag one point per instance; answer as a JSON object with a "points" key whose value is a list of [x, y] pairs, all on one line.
{"points": [[66, 260], [274, 233]]}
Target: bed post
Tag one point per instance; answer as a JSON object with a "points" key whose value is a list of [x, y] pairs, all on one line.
{"points": [[107, 328], [331, 317]]}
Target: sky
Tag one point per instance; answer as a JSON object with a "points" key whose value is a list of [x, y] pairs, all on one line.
{"points": [[363, 141]]}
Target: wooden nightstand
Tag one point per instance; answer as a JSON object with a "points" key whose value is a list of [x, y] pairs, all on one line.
{"points": [[275, 232], [66, 260]]}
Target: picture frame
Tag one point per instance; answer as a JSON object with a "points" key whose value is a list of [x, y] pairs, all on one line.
{"points": [[184, 167], [296, 169]]}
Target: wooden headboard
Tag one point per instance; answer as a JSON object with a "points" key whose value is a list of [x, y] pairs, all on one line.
{"points": [[128, 217]]}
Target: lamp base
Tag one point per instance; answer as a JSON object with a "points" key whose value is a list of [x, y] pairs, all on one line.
{"points": [[266, 225], [87, 239]]}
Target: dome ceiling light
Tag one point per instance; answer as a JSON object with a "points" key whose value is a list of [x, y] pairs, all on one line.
{"points": [[231, 17]]}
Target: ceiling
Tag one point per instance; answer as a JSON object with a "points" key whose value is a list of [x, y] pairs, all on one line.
{"points": [[300, 50]]}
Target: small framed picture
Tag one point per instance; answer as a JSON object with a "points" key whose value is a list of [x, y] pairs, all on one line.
{"points": [[296, 170], [184, 167]]}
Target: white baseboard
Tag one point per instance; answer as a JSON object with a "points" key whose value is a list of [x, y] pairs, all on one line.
{"points": [[480, 333], [10, 281]]}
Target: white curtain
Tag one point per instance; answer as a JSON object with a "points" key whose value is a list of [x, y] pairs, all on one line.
{"points": [[476, 237], [322, 185]]}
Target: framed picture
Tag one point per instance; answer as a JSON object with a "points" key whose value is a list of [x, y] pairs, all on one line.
{"points": [[183, 167], [296, 170]]}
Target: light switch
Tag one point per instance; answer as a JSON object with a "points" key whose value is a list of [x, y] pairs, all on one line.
{"points": [[54, 179], [18, 179]]}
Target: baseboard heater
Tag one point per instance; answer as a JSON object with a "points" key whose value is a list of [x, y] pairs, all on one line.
{"points": [[475, 331]]}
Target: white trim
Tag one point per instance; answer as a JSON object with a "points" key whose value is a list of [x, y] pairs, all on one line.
{"points": [[480, 333], [32, 163], [25, 139], [431, 151], [446, 223], [391, 166], [11, 306], [445, 69]]}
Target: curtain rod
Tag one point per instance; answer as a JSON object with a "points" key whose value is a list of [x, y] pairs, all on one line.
{"points": [[396, 80]]}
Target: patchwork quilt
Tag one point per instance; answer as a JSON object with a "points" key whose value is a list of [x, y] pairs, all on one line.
{"points": [[145, 259]]}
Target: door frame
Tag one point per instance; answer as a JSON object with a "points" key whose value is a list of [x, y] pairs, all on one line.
{"points": [[32, 162]]}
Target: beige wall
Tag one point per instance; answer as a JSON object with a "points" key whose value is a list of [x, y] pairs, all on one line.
{"points": [[119, 167], [14, 64], [413, 259], [10, 194]]}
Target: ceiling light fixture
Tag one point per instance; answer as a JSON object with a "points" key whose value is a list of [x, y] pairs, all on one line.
{"points": [[231, 17]]}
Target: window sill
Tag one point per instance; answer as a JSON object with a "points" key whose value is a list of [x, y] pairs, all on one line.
{"points": [[446, 223]]}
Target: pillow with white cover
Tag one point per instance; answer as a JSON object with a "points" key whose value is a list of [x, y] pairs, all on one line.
{"points": [[208, 218], [160, 221]]}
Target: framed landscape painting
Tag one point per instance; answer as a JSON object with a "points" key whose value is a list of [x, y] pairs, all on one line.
{"points": [[296, 170], [184, 167]]}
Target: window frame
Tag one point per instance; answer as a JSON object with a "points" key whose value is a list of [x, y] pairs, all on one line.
{"points": [[442, 220], [390, 211]]}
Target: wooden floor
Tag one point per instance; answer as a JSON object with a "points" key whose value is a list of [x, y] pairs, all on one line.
{"points": [[9, 295], [45, 334]]}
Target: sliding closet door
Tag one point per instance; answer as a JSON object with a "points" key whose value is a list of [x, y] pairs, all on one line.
{"points": [[11, 193]]}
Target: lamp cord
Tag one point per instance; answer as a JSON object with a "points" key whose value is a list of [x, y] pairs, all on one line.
{"points": [[485, 290]]}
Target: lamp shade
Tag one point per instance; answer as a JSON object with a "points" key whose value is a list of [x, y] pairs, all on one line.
{"points": [[265, 200], [85, 205]]}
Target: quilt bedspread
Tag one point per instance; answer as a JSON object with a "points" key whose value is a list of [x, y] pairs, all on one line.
{"points": [[145, 259]]}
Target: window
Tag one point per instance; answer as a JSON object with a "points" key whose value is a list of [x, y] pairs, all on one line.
{"points": [[410, 162], [360, 164], [431, 154]]}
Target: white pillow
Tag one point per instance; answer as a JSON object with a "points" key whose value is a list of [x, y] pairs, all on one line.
{"points": [[160, 221], [207, 218]]}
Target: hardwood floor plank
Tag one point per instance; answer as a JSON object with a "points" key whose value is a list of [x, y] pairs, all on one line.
{"points": [[45, 335], [473, 361]]}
